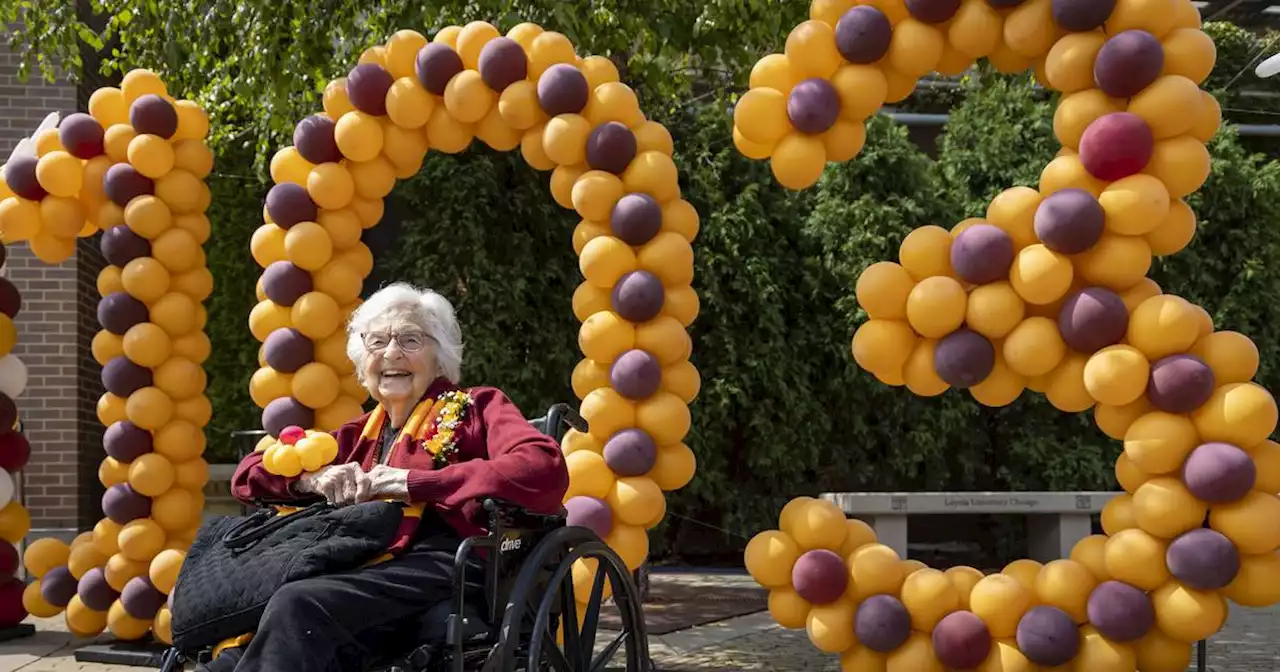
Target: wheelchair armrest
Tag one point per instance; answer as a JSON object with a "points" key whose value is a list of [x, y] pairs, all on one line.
{"points": [[504, 515]]}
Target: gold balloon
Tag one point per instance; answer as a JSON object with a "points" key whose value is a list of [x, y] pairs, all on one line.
{"points": [[926, 252]]}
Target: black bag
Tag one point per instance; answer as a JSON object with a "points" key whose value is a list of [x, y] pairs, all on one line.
{"points": [[237, 563]]}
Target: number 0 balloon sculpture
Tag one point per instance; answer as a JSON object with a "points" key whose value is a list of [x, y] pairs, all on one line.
{"points": [[1047, 292], [568, 115], [134, 167]]}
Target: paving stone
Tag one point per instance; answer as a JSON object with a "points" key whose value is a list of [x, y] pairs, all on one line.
{"points": [[1250, 642]]}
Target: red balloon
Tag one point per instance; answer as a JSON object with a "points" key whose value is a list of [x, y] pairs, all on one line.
{"points": [[11, 610], [1116, 145], [15, 451]]}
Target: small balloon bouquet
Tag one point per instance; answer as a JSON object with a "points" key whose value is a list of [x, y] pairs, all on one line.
{"points": [[298, 450]]}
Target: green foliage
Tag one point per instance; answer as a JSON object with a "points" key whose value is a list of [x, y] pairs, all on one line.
{"points": [[483, 230], [1229, 268], [235, 213], [1002, 136]]}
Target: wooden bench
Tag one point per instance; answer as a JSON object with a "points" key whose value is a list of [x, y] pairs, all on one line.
{"points": [[1056, 520]]}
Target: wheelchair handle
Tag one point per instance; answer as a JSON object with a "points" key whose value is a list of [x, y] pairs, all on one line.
{"points": [[568, 415]]}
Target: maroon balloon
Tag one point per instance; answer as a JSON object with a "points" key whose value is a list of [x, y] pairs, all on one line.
{"points": [[863, 34], [636, 375], [15, 451], [933, 11], [12, 611], [1180, 383], [4, 254], [9, 560], [289, 204], [819, 576], [367, 87], [122, 377], [1203, 559], [611, 147], [287, 350], [1120, 612], [502, 63], [118, 311], [1069, 221], [630, 452], [1219, 473], [284, 412], [94, 591], [1093, 318], [10, 299], [8, 413], [882, 623], [813, 106], [285, 283], [152, 115], [1005, 4], [123, 183], [638, 296], [1047, 636], [1127, 63], [982, 253], [437, 64], [82, 135], [1079, 16], [1116, 145], [636, 219], [315, 141], [141, 599], [591, 513], [961, 640], [964, 358], [126, 442], [58, 586], [120, 245], [563, 89], [20, 175], [122, 505]]}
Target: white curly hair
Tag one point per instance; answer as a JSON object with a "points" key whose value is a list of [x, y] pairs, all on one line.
{"points": [[425, 309]]}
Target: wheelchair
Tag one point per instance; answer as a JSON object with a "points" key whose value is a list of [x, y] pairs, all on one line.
{"points": [[515, 609]]}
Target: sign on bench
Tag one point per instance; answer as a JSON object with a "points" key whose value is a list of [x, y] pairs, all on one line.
{"points": [[1056, 520]]}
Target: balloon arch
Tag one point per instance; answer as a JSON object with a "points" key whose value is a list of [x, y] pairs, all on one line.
{"points": [[133, 167], [1046, 292]]}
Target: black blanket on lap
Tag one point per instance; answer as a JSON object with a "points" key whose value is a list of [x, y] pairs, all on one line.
{"points": [[237, 563]]}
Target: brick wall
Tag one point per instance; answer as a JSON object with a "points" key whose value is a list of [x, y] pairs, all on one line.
{"points": [[55, 327]]}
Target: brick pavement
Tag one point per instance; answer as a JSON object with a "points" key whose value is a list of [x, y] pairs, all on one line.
{"points": [[1249, 643]]}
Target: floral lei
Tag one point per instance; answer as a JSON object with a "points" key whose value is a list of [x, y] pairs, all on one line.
{"points": [[441, 437]]}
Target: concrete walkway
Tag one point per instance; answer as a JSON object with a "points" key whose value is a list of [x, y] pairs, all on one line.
{"points": [[1249, 643]]}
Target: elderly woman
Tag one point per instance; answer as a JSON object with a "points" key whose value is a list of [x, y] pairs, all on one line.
{"points": [[428, 443]]}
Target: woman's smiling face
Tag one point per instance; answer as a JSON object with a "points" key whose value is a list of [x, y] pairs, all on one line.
{"points": [[401, 363]]}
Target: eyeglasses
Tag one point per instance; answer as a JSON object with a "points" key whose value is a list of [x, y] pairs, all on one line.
{"points": [[410, 341]]}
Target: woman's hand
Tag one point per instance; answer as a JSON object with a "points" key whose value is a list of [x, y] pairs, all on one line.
{"points": [[340, 484], [390, 483]]}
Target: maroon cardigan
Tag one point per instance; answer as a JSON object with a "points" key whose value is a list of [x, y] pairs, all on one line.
{"points": [[500, 455]]}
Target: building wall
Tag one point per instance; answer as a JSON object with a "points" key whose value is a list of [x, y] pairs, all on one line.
{"points": [[55, 327]]}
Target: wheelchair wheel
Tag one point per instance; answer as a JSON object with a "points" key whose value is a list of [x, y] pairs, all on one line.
{"points": [[549, 604]]}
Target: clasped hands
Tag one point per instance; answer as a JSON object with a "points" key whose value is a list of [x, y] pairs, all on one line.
{"points": [[346, 484]]}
